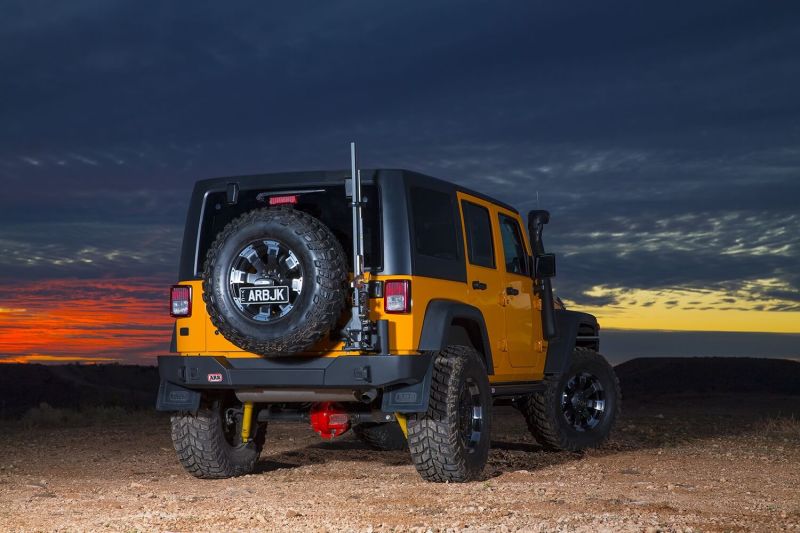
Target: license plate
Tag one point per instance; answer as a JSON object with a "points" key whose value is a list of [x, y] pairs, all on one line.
{"points": [[264, 295]]}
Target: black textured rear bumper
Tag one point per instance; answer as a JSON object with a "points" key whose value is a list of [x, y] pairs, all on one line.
{"points": [[183, 377]]}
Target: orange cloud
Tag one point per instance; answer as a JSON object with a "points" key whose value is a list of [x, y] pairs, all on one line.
{"points": [[66, 320]]}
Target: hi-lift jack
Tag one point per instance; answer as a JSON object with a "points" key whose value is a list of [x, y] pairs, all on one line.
{"points": [[361, 334]]}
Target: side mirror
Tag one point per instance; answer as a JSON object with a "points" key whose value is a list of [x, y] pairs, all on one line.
{"points": [[545, 266]]}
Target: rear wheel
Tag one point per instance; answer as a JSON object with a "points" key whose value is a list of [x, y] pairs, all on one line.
{"points": [[450, 442], [209, 442], [578, 408], [381, 436]]}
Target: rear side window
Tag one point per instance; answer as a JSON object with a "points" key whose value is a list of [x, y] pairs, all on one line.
{"points": [[434, 226], [513, 247], [478, 225]]}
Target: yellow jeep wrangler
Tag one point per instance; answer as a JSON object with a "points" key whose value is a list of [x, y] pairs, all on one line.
{"points": [[386, 301]]}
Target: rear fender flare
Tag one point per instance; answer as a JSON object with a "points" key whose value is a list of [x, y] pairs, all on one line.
{"points": [[443, 320], [442, 317]]}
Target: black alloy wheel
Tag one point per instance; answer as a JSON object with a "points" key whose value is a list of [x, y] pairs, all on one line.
{"points": [[470, 411], [266, 264], [583, 401]]}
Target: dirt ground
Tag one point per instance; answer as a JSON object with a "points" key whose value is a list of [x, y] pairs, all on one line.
{"points": [[675, 464]]}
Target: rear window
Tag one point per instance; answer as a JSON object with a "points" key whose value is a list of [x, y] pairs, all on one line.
{"points": [[328, 204], [434, 224]]}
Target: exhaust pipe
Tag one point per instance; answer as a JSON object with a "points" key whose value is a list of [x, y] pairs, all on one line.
{"points": [[305, 395], [368, 396]]}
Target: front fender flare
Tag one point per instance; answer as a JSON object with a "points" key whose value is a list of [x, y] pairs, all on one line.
{"points": [[559, 350]]}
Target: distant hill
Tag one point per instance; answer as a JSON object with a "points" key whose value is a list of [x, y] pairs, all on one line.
{"points": [[134, 387], [708, 375], [76, 386]]}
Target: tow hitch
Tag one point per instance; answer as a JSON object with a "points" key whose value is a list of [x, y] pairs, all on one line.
{"points": [[328, 420]]}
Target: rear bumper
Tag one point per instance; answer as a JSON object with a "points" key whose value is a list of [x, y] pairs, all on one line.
{"points": [[183, 377]]}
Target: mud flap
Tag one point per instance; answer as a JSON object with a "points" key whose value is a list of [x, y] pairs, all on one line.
{"points": [[409, 398], [172, 397]]}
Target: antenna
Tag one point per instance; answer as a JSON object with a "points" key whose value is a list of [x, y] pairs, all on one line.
{"points": [[537, 200]]}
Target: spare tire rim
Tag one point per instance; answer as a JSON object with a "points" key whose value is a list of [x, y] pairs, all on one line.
{"points": [[583, 401], [265, 281], [470, 415]]}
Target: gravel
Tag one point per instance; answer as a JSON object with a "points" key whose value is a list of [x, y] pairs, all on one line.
{"points": [[675, 464]]}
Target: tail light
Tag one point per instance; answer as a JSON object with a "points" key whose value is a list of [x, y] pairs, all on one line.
{"points": [[282, 200], [397, 296], [180, 301], [328, 420]]}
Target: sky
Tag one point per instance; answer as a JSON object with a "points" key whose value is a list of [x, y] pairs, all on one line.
{"points": [[664, 137]]}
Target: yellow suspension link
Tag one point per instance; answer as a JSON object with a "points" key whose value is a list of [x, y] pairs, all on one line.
{"points": [[403, 421], [247, 420]]}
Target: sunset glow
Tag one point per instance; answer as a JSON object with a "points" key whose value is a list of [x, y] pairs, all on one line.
{"points": [[694, 310], [127, 319], [72, 320]]}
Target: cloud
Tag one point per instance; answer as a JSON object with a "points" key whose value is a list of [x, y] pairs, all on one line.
{"points": [[665, 145], [85, 320], [697, 309], [88, 249]]}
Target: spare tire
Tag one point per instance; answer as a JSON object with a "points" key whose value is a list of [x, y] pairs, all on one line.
{"points": [[274, 281]]}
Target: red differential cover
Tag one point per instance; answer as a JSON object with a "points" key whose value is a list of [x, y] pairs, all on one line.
{"points": [[328, 420]]}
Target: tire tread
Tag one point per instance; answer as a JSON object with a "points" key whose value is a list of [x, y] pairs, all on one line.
{"points": [[433, 437], [203, 451], [331, 274]]}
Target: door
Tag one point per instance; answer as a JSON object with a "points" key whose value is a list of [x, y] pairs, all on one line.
{"points": [[523, 333], [484, 278]]}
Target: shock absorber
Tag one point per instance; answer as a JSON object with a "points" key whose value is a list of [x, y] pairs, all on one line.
{"points": [[247, 420]]}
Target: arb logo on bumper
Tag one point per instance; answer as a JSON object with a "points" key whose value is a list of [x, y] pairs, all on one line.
{"points": [[215, 378]]}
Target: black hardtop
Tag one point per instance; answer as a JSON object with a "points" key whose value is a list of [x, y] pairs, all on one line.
{"points": [[394, 183], [306, 178]]}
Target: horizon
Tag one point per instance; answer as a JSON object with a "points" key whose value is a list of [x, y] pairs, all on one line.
{"points": [[665, 146], [49, 360]]}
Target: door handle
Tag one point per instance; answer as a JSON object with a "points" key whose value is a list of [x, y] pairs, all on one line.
{"points": [[478, 286], [511, 291]]}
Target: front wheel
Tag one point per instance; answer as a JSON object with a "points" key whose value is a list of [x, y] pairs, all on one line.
{"points": [[209, 442], [578, 408], [450, 442]]}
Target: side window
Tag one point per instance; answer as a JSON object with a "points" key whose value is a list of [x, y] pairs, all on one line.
{"points": [[513, 248], [434, 224], [478, 223]]}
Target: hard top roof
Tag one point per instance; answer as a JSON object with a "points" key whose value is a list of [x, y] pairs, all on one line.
{"points": [[334, 177]]}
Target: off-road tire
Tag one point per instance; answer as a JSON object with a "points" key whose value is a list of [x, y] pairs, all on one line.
{"points": [[320, 303], [435, 440], [203, 449], [381, 436], [543, 410]]}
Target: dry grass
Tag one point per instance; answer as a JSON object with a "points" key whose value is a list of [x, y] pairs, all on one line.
{"points": [[780, 426], [46, 416]]}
